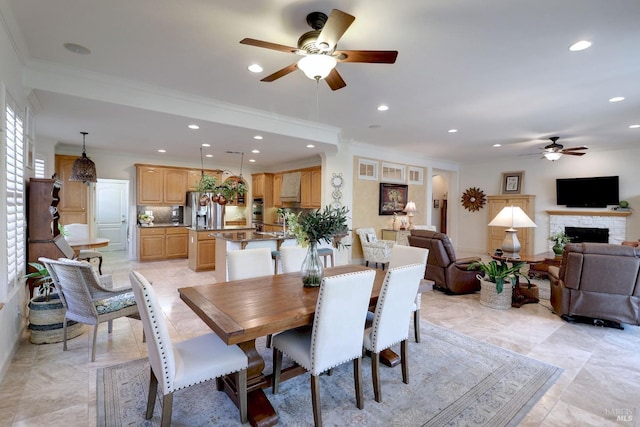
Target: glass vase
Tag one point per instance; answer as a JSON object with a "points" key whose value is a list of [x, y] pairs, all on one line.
{"points": [[312, 269]]}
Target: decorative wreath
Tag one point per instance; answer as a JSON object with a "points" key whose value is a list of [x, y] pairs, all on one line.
{"points": [[473, 199]]}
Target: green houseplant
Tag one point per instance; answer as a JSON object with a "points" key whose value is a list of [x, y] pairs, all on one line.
{"points": [[329, 225], [560, 239], [499, 278], [206, 184]]}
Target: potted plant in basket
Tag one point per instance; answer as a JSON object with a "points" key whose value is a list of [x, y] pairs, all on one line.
{"points": [[496, 285], [329, 225], [46, 312], [560, 239]]}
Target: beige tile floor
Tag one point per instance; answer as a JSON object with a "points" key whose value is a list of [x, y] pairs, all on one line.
{"points": [[48, 387]]}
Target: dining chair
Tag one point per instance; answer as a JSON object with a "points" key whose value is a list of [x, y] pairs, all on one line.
{"points": [[405, 255], [88, 298], [336, 336], [390, 322], [249, 263], [187, 363], [77, 231], [291, 258]]}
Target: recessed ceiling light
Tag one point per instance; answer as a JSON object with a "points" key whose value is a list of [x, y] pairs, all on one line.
{"points": [[383, 108], [452, 130], [616, 99], [252, 160], [310, 146], [193, 126], [206, 145], [255, 68], [255, 151], [374, 126], [257, 137], [208, 155], [76, 48], [581, 45], [634, 126], [162, 151], [497, 145]]}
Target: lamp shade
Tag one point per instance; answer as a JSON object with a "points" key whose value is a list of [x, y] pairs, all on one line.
{"points": [[512, 217], [410, 208], [552, 155], [317, 66]]}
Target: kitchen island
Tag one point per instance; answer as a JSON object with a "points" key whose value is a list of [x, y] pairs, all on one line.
{"points": [[234, 240], [202, 246]]}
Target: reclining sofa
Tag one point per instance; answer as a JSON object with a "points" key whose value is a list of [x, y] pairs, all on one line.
{"points": [[598, 283], [450, 275]]}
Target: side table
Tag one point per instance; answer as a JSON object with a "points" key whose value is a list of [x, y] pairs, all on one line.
{"points": [[401, 237]]}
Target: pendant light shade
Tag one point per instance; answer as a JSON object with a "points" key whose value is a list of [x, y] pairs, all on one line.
{"points": [[83, 168]]}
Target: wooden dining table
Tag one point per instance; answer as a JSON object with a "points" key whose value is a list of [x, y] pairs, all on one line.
{"points": [[241, 311], [90, 243]]}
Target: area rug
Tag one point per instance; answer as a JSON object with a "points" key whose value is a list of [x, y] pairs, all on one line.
{"points": [[455, 380]]}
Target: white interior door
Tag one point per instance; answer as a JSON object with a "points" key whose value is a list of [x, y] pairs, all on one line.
{"points": [[112, 196]]}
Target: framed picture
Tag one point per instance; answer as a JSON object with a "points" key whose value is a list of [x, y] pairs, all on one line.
{"points": [[436, 203], [393, 198], [512, 182]]}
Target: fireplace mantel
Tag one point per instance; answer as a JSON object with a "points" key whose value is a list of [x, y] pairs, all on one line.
{"points": [[590, 213]]}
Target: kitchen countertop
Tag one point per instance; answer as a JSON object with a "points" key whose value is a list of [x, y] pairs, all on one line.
{"points": [[225, 228], [158, 225], [252, 236]]}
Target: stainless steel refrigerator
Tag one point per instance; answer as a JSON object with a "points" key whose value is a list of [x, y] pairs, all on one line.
{"points": [[203, 212]]}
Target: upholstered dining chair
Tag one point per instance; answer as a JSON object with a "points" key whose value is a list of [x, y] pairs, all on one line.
{"points": [[374, 250], [336, 336], [249, 263], [406, 255], [291, 258], [88, 298], [187, 363], [80, 232], [390, 322]]}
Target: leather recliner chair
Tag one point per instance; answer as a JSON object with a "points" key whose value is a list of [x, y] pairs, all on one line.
{"points": [[450, 275], [598, 282]]}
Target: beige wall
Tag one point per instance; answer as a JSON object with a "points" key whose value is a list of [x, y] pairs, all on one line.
{"points": [[366, 196]]}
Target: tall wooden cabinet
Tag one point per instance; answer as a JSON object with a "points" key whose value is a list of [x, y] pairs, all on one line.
{"points": [[73, 195], [311, 188], [525, 235], [161, 186]]}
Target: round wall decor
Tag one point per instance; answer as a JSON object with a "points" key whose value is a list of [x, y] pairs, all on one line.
{"points": [[473, 199]]}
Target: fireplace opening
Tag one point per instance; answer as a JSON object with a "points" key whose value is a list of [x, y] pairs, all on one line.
{"points": [[587, 234]]}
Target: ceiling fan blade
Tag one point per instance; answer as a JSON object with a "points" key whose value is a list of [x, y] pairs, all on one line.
{"points": [[336, 25], [572, 153], [281, 73], [575, 148], [334, 80], [268, 45], [370, 56]]}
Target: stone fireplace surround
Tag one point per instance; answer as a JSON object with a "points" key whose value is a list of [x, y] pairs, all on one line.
{"points": [[615, 221]]}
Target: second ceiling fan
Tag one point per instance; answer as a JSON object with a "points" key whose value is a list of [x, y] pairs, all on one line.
{"points": [[318, 48]]}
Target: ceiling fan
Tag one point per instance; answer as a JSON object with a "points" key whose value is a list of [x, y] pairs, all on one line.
{"points": [[318, 50], [554, 150]]}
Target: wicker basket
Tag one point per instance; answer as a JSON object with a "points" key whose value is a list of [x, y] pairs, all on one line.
{"points": [[45, 321], [491, 298]]}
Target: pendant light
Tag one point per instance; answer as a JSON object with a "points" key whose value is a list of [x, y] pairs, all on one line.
{"points": [[83, 168]]}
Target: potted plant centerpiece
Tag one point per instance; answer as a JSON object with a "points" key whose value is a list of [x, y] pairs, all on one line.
{"points": [[329, 225], [46, 312], [560, 239], [496, 285]]}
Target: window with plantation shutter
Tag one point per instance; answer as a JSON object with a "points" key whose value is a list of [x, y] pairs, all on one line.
{"points": [[14, 194]]}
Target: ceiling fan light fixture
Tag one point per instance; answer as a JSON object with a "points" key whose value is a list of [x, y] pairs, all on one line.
{"points": [[317, 67], [83, 169], [552, 155]]}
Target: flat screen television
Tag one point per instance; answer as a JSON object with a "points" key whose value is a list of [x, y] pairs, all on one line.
{"points": [[595, 192]]}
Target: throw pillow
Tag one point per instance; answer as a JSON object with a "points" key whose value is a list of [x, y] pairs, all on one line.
{"points": [[371, 237]]}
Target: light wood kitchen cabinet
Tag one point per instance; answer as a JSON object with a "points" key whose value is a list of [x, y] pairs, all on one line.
{"points": [[311, 188], [202, 250], [193, 177], [262, 188], [496, 234], [159, 243], [73, 194], [159, 185], [277, 188]]}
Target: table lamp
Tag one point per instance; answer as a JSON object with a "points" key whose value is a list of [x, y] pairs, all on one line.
{"points": [[410, 209], [511, 217]]}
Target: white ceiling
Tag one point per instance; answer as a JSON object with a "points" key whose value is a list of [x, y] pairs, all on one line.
{"points": [[498, 70]]}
